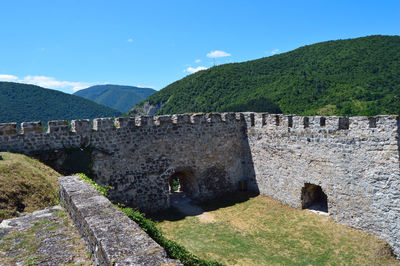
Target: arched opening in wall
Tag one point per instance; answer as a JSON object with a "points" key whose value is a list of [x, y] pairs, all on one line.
{"points": [[314, 198], [183, 182]]}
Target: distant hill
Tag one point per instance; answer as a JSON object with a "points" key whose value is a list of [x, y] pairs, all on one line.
{"points": [[345, 77], [116, 96], [23, 102]]}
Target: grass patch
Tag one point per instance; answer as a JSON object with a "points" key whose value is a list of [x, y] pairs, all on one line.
{"points": [[263, 231], [26, 185], [173, 249]]}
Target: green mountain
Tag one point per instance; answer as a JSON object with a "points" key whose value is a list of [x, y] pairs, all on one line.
{"points": [[115, 96], [345, 77], [23, 102]]}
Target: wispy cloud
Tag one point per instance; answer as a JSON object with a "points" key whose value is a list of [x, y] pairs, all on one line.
{"points": [[48, 82], [194, 69], [197, 61], [52, 83], [10, 78], [275, 51], [130, 40], [216, 54]]}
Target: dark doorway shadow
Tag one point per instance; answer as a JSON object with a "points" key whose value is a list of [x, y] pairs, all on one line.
{"points": [[314, 198]]}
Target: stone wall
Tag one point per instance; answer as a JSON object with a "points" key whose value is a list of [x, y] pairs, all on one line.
{"points": [[110, 235], [354, 160], [137, 155]]}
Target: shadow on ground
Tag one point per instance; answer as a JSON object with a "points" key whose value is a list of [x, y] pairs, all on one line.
{"points": [[182, 206]]}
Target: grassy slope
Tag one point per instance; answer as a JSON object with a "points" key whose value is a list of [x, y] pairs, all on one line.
{"points": [[263, 231], [24, 103], [25, 185], [345, 77]]}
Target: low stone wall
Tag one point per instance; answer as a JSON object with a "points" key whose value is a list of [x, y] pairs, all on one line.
{"points": [[110, 235]]}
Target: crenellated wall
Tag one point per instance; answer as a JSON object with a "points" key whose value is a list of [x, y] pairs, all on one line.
{"points": [[137, 155], [354, 160]]}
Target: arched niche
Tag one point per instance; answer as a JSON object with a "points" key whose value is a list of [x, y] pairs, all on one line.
{"points": [[314, 198]]}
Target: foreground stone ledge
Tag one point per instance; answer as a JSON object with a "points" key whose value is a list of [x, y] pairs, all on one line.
{"points": [[110, 235]]}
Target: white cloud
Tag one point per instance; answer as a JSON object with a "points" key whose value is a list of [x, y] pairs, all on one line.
{"points": [[275, 51], [216, 54], [141, 86], [52, 83], [197, 61], [8, 78], [48, 82], [130, 40], [194, 69]]}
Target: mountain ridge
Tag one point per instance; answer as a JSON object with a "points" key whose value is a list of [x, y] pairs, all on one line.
{"points": [[359, 76], [24, 102], [118, 97]]}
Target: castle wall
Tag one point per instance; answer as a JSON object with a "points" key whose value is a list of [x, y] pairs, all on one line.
{"points": [[354, 160], [137, 155]]}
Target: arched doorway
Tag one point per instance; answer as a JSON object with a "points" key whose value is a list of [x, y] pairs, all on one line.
{"points": [[184, 182], [314, 198]]}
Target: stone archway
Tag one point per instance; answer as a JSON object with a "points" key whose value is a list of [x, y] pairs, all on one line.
{"points": [[314, 198], [183, 181]]}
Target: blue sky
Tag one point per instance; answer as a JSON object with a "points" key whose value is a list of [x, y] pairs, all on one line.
{"points": [[70, 45]]}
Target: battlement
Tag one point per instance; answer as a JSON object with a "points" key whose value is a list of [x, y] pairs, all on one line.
{"points": [[362, 125], [109, 124], [271, 122]]}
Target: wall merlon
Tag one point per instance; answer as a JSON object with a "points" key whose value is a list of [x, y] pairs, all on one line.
{"points": [[162, 120], [81, 126], [57, 126], [8, 129], [249, 118], [123, 122], [213, 118], [181, 119], [31, 128], [283, 121], [228, 117], [239, 116], [103, 124], [198, 118], [260, 119], [144, 120], [273, 121]]}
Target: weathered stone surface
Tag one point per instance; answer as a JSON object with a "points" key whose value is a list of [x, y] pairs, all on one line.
{"points": [[46, 237], [111, 236], [354, 160]]}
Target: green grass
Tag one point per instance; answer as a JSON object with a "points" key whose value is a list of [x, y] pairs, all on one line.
{"points": [[262, 231], [26, 185]]}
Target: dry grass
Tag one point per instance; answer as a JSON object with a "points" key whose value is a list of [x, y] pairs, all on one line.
{"points": [[26, 185], [263, 231]]}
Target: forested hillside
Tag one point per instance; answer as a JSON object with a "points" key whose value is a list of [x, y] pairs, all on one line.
{"points": [[344, 77], [23, 102], [118, 97]]}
